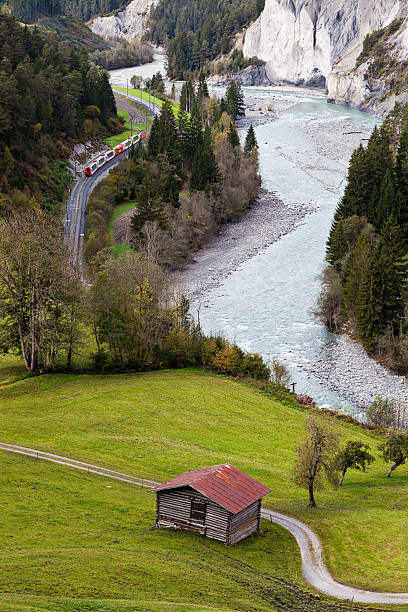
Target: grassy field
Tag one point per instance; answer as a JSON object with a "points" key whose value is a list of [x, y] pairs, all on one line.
{"points": [[144, 95], [159, 424], [118, 211], [67, 535], [118, 138]]}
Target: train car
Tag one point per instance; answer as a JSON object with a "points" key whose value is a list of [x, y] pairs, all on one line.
{"points": [[119, 149], [106, 157]]}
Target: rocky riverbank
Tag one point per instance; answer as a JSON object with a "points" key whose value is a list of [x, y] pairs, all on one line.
{"points": [[346, 368], [266, 222]]}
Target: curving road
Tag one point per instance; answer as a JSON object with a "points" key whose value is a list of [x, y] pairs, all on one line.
{"points": [[314, 570], [74, 223]]}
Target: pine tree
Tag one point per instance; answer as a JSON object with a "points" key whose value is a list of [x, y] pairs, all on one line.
{"points": [[250, 141], [232, 136]]}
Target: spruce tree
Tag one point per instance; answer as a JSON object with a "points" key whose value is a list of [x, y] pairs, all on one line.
{"points": [[153, 144], [232, 136], [355, 272], [183, 97], [171, 191], [250, 141], [205, 171], [202, 87], [387, 201]]}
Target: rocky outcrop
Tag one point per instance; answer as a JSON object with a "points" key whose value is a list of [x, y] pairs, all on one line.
{"points": [[362, 85], [128, 23], [317, 42]]}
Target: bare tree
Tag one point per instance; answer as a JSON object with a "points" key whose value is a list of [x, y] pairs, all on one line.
{"points": [[280, 373], [37, 292], [316, 458]]}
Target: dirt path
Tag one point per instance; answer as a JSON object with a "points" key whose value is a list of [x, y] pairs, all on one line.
{"points": [[314, 570]]}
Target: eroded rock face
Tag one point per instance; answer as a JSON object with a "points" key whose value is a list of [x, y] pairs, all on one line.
{"points": [[316, 42], [128, 23]]}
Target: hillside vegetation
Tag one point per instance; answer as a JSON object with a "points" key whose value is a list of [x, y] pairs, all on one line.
{"points": [[29, 11], [367, 249], [159, 424], [197, 31], [51, 95]]}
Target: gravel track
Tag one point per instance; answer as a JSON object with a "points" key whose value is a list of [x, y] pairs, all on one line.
{"points": [[314, 570]]}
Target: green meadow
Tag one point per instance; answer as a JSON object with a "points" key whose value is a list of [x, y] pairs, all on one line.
{"points": [[157, 425]]}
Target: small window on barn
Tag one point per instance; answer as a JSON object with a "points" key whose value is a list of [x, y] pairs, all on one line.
{"points": [[197, 512]]}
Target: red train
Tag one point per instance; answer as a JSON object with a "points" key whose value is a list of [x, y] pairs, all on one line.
{"points": [[108, 155]]}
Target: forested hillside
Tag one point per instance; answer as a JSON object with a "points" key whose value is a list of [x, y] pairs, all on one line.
{"points": [[29, 11], [366, 282], [51, 95], [192, 177], [197, 31]]}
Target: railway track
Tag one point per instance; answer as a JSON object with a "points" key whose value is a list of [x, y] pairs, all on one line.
{"points": [[74, 223]]}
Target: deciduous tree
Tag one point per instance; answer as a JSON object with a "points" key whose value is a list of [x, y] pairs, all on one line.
{"points": [[316, 458], [354, 456]]}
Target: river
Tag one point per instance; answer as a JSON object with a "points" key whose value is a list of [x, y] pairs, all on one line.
{"points": [[266, 304]]}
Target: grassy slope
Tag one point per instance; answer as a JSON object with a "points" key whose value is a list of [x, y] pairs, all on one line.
{"points": [[118, 211], [159, 424], [98, 544], [112, 141], [141, 93]]}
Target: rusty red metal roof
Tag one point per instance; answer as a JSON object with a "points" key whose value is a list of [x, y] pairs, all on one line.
{"points": [[224, 484]]}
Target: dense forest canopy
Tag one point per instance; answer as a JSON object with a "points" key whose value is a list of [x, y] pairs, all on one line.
{"points": [[29, 11], [51, 95], [366, 283], [197, 31]]}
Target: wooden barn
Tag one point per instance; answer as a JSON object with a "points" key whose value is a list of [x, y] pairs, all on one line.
{"points": [[220, 502]]}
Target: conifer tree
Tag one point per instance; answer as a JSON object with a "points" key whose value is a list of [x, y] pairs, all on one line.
{"points": [[171, 191], [202, 87], [250, 141], [153, 144], [235, 100], [205, 171], [355, 272], [183, 97], [232, 136], [387, 201]]}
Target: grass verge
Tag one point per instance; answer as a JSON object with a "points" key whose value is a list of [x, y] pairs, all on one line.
{"points": [[117, 249]]}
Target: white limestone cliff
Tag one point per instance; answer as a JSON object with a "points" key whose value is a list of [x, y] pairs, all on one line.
{"points": [[128, 23], [317, 42]]}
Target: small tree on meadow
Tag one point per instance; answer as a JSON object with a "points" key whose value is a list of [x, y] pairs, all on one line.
{"points": [[354, 456], [382, 412], [316, 458], [395, 450]]}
